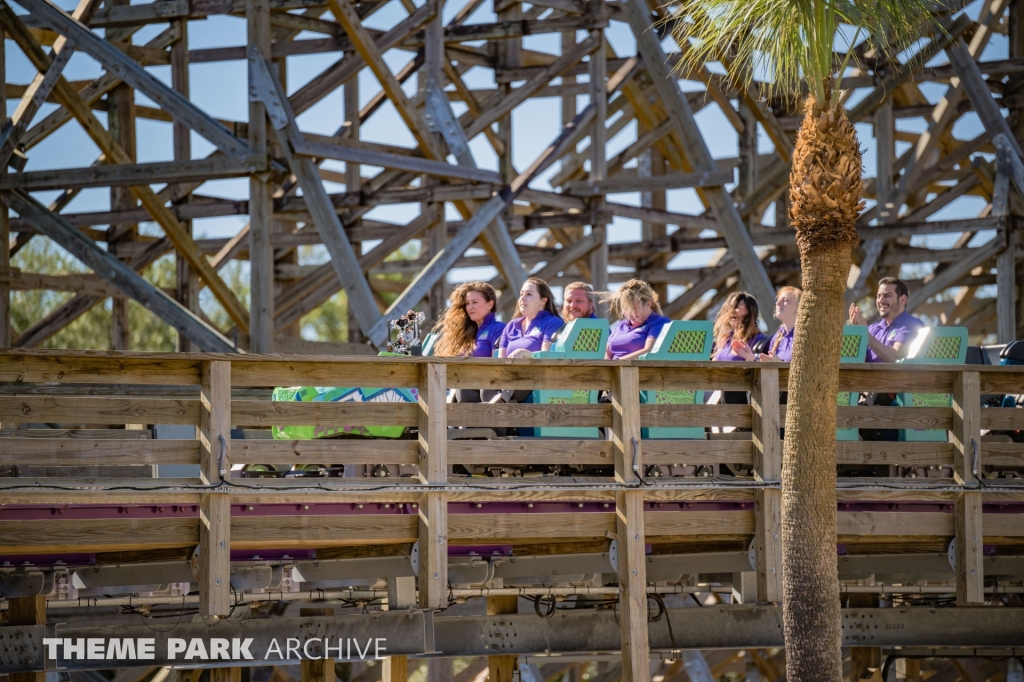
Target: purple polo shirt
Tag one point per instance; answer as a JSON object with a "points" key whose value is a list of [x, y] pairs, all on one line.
{"points": [[624, 339], [542, 328], [902, 330], [784, 351], [725, 354], [487, 337]]}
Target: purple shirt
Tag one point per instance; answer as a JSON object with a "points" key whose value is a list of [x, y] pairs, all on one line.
{"points": [[624, 339], [542, 328], [784, 351], [487, 337], [725, 354], [902, 330]]}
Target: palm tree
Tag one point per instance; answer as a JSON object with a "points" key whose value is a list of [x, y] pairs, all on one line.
{"points": [[790, 44]]}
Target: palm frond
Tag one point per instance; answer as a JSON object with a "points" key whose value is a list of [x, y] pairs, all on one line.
{"points": [[788, 41]]}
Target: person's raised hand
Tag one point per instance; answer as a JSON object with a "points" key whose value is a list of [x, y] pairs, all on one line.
{"points": [[856, 318], [742, 349]]}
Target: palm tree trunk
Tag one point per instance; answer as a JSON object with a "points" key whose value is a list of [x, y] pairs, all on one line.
{"points": [[825, 190], [810, 577]]}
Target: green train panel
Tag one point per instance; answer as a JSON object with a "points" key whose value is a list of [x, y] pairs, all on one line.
{"points": [[853, 349], [582, 339], [678, 340], [933, 346], [319, 394]]}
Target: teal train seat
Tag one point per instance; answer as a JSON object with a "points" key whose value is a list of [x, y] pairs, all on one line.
{"points": [[582, 339], [853, 349], [679, 340], [428, 344], [933, 346]]}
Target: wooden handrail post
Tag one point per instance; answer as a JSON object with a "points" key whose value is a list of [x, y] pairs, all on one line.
{"points": [[966, 439], [625, 397], [764, 414], [215, 507], [629, 525], [433, 526]]}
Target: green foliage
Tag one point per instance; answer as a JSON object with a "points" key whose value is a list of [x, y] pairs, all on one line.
{"points": [[329, 322], [790, 40], [92, 330]]}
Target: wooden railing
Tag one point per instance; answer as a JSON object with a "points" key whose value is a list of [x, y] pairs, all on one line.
{"points": [[92, 391]]}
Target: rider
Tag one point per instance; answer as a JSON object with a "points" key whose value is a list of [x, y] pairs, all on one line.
{"points": [[888, 341], [468, 329], [535, 324], [579, 302], [735, 331], [636, 304]]}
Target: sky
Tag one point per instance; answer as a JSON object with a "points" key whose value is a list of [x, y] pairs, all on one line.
{"points": [[220, 89]]}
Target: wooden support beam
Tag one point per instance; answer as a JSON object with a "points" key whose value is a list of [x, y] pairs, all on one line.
{"points": [[698, 289], [1006, 265], [401, 595], [27, 611], [261, 219], [885, 145], [715, 178], [39, 89], [433, 517], [267, 88], [115, 153], [978, 92], [568, 255], [765, 422], [343, 71], [947, 108], [496, 237], [730, 223], [966, 438], [132, 174], [632, 569], [629, 532], [371, 53], [442, 262], [970, 260], [215, 507], [305, 296], [186, 279], [897, 75], [130, 72], [396, 161], [6, 246], [317, 669], [118, 273], [501, 668], [524, 92]]}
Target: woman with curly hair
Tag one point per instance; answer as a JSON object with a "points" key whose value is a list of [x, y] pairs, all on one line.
{"points": [[640, 320], [468, 329]]}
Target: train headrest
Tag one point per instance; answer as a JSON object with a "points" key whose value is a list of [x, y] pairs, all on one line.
{"points": [[1012, 353]]}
